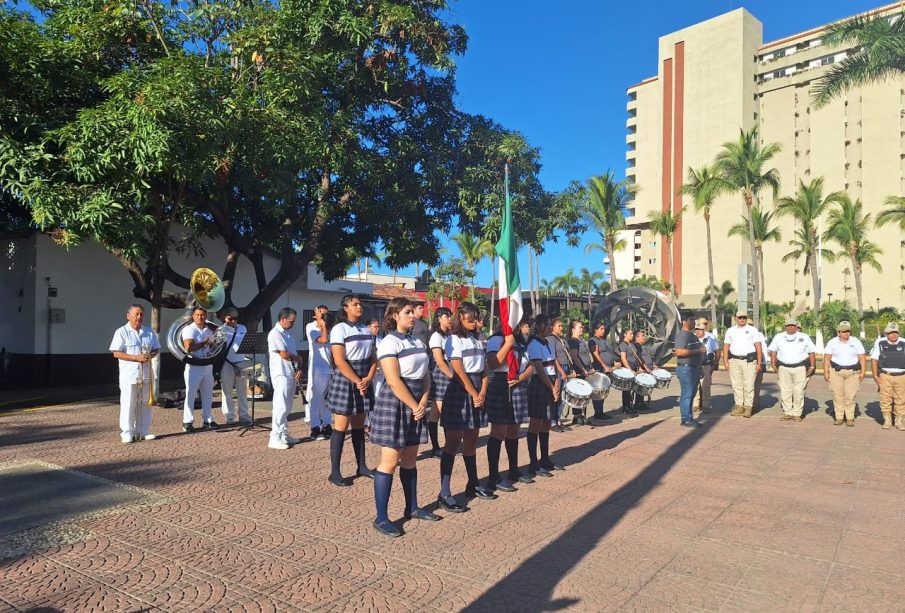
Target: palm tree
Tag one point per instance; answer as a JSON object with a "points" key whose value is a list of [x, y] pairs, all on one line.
{"points": [[473, 250], [718, 299], [802, 244], [592, 247], [807, 206], [588, 281], [742, 167], [880, 55], [567, 283], [850, 227], [604, 209], [646, 281], [666, 224], [546, 287], [764, 232], [893, 213], [704, 185]]}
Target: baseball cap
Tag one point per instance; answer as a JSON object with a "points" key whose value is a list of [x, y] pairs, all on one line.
{"points": [[844, 326], [700, 326], [891, 327], [791, 321], [741, 313]]}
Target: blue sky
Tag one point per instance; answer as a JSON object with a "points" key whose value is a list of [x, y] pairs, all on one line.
{"points": [[557, 72]]}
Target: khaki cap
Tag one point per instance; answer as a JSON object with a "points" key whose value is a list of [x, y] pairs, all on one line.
{"points": [[700, 326], [741, 313], [791, 321], [891, 327], [844, 326]]}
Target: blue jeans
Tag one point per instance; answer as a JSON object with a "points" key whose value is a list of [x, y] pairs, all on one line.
{"points": [[689, 378]]}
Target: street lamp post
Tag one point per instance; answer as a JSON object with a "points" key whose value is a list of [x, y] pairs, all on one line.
{"points": [[830, 294], [877, 320]]}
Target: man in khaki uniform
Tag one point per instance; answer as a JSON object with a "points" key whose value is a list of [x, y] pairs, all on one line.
{"points": [[844, 368], [793, 358], [742, 357], [887, 359]]}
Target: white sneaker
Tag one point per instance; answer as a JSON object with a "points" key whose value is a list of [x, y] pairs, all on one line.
{"points": [[277, 444], [148, 437], [292, 440], [125, 438]]}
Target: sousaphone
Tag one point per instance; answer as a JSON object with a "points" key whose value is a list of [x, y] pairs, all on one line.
{"points": [[207, 292]]}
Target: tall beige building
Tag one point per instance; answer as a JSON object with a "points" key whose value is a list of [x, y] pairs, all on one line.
{"points": [[717, 77]]}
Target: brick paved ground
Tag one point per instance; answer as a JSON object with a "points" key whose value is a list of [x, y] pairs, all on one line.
{"points": [[742, 515]]}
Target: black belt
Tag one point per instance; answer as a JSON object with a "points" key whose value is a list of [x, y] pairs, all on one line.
{"points": [[837, 368], [751, 357], [892, 374], [804, 364]]}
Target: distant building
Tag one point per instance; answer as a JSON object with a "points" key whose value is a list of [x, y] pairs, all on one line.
{"points": [[718, 76]]}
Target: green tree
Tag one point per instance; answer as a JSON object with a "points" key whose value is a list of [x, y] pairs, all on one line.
{"points": [[806, 207], [449, 278], [650, 281], [764, 232], [720, 295], [742, 167], [568, 283], [588, 281], [666, 224], [894, 212], [473, 250], [850, 228], [703, 185], [879, 55], [604, 209]]}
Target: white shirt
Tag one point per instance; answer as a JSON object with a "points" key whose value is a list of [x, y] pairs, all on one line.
{"points": [[843, 353], [469, 350], [278, 340], [539, 350], [356, 338], [195, 334], [319, 357], [408, 350], [792, 348], [875, 353], [437, 341], [710, 341], [741, 340], [128, 340], [234, 357]]}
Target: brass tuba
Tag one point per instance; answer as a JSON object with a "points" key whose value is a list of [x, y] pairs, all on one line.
{"points": [[207, 292]]}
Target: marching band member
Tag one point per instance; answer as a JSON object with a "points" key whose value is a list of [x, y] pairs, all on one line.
{"points": [[603, 359], [794, 358], [507, 408], [647, 364], [133, 346], [231, 377], [350, 396], [285, 372], [397, 422], [197, 378], [463, 406], [441, 373], [629, 358], [742, 357], [320, 369], [844, 353], [543, 393], [564, 370]]}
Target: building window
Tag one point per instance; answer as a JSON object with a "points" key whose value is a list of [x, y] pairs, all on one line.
{"points": [[633, 112], [632, 96]]}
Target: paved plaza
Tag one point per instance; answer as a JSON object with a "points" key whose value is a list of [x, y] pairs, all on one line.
{"points": [[740, 515]]}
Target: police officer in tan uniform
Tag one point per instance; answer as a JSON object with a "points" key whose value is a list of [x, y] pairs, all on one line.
{"points": [[742, 357], [887, 360], [793, 358]]}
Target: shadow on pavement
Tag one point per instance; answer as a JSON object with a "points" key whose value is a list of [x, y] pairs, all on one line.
{"points": [[537, 577]]}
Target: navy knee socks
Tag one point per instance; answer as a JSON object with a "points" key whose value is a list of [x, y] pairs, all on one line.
{"points": [[358, 445], [544, 438], [512, 453], [493, 457], [432, 433], [471, 469], [532, 449], [409, 479], [447, 460], [383, 483], [337, 438]]}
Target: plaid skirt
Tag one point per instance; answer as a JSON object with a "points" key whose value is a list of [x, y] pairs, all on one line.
{"points": [[540, 401], [342, 395], [439, 383], [498, 407], [392, 424], [459, 412]]}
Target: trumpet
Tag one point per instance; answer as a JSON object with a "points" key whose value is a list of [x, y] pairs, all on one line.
{"points": [[152, 399]]}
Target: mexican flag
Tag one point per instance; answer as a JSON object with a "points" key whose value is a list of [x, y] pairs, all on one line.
{"points": [[510, 290]]}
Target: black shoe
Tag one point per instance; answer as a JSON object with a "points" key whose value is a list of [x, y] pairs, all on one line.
{"points": [[422, 514], [338, 481], [209, 425], [437, 453], [327, 431], [188, 427], [690, 423], [504, 486], [315, 432], [365, 472], [552, 466], [453, 507], [518, 476], [387, 528], [480, 491], [543, 472]]}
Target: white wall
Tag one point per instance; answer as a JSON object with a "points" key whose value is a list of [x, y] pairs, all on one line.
{"points": [[17, 294]]}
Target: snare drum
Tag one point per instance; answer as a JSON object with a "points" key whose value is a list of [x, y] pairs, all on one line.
{"points": [[623, 379], [577, 394], [663, 377], [644, 384], [601, 385]]}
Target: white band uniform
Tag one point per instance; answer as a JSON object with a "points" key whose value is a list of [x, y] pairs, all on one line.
{"points": [[197, 378]]}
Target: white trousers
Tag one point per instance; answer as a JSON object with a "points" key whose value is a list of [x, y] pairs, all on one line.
{"points": [[198, 378], [229, 380], [318, 415], [134, 415], [283, 393]]}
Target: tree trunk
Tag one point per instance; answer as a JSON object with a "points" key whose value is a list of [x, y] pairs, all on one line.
{"points": [[711, 289], [672, 277], [856, 271], [760, 267], [755, 268], [611, 251], [815, 280]]}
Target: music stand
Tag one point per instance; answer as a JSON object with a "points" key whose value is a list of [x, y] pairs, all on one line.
{"points": [[254, 343]]}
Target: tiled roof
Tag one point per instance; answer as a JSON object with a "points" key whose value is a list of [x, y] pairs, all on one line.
{"points": [[388, 292]]}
